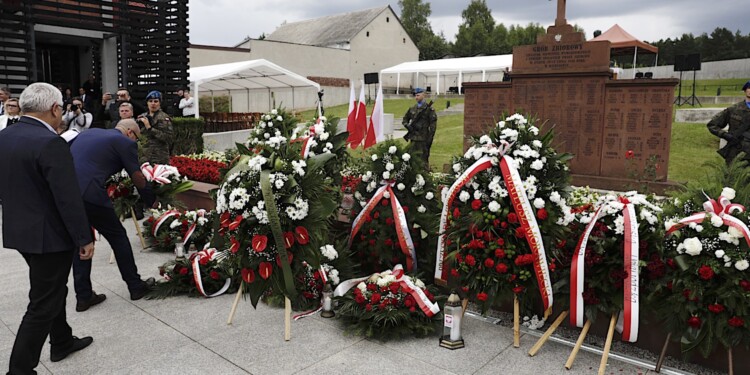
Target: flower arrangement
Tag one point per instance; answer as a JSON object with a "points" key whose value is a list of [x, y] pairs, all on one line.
{"points": [[387, 305], [166, 182], [197, 169], [165, 227], [616, 256], [506, 206], [704, 299], [200, 275], [394, 221], [122, 193]]}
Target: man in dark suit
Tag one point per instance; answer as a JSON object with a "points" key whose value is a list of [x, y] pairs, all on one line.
{"points": [[97, 155], [44, 219]]}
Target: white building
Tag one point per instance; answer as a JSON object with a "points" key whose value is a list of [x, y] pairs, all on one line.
{"points": [[329, 50]]}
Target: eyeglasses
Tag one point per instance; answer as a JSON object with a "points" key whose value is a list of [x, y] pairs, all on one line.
{"points": [[11, 106], [135, 135]]}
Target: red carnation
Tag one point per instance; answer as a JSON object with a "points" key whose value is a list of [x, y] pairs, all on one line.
{"points": [[375, 298], [512, 218], [372, 287], [360, 299], [520, 233], [388, 221], [409, 301], [204, 261], [259, 242], [394, 287], [384, 202], [476, 204], [694, 322], [736, 322], [248, 275], [745, 285], [489, 263], [499, 253], [541, 214], [706, 272], [388, 242], [214, 275], [456, 213], [368, 307], [500, 242], [519, 289], [376, 215], [501, 268], [482, 296], [300, 233], [470, 260], [715, 308], [265, 269], [454, 272]]}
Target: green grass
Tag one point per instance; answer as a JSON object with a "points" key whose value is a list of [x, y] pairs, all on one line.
{"points": [[448, 141], [692, 146], [708, 87]]}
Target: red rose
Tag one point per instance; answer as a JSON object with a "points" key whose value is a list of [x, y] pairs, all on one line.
{"points": [[476, 204], [520, 233], [409, 301], [715, 308], [406, 209], [456, 213], [259, 242], [541, 214], [214, 275], [384, 202], [376, 215], [360, 299], [300, 233], [388, 242], [630, 154], [499, 253], [470, 260], [706, 272], [183, 271], [745, 285], [204, 261], [500, 242], [736, 322], [394, 287], [248, 275], [288, 239], [501, 268], [512, 218], [489, 263], [375, 298], [388, 221], [694, 322], [519, 289], [454, 272], [371, 242], [412, 309], [368, 307], [482, 296], [265, 269], [465, 289]]}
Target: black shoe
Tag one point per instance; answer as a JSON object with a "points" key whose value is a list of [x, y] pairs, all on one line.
{"points": [[145, 288], [57, 355], [94, 300]]}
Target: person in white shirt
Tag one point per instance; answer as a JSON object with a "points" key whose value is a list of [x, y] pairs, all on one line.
{"points": [[77, 118], [4, 96], [187, 104], [12, 113]]}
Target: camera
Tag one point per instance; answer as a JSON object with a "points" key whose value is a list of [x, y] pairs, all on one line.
{"points": [[73, 107]]}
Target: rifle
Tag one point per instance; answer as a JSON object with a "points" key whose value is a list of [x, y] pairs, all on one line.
{"points": [[410, 126]]}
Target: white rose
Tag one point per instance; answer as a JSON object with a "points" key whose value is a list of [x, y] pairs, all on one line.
{"points": [[716, 221], [374, 157], [386, 175], [421, 209], [387, 195], [405, 157], [401, 186], [728, 193], [389, 166], [429, 195], [693, 246], [456, 167], [734, 232], [741, 265], [539, 203], [392, 150], [537, 165], [464, 196], [494, 206], [719, 253], [477, 194]]}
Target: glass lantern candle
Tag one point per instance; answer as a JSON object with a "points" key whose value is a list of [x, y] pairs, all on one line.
{"points": [[327, 301], [179, 248], [452, 316]]}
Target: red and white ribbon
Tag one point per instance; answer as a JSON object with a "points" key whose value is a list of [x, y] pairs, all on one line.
{"points": [[722, 208], [523, 209], [630, 315], [161, 220], [198, 214], [399, 217], [196, 258], [158, 172], [424, 303]]}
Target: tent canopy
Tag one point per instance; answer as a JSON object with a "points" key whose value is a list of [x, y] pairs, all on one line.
{"points": [[458, 66], [624, 43], [244, 75]]}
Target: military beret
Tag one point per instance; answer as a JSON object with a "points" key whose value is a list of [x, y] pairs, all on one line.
{"points": [[418, 90], [153, 95], [746, 86]]}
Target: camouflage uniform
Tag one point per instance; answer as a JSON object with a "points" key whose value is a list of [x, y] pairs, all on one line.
{"points": [[738, 136], [159, 139], [422, 131]]}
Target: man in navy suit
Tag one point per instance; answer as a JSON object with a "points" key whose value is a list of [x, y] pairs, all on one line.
{"points": [[44, 219], [97, 155]]}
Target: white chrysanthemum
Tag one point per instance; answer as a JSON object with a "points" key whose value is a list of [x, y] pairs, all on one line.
{"points": [[374, 157], [477, 194], [256, 163], [299, 167], [238, 198], [386, 175], [324, 136], [485, 140], [537, 165], [421, 209], [392, 149], [387, 195], [734, 232], [536, 143], [400, 186], [464, 196], [728, 193], [619, 224], [456, 167], [501, 124], [429, 195], [362, 287], [693, 246], [494, 206], [389, 166], [329, 252], [538, 203], [405, 157], [273, 112], [719, 253], [741, 265], [717, 221]]}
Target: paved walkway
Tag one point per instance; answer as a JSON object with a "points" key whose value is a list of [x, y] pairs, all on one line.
{"points": [[184, 335]]}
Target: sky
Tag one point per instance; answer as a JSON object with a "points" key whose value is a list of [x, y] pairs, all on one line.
{"points": [[228, 22]]}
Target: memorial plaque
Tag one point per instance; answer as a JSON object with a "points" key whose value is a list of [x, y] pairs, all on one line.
{"points": [[560, 57]]}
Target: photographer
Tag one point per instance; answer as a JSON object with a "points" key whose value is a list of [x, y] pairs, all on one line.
{"points": [[76, 118]]}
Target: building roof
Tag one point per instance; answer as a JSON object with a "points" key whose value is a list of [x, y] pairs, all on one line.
{"points": [[623, 42], [326, 31]]}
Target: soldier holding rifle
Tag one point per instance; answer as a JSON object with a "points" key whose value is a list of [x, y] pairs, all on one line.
{"points": [[737, 135], [421, 122]]}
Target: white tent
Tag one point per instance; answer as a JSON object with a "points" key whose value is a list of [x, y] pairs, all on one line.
{"points": [[458, 66], [245, 76]]}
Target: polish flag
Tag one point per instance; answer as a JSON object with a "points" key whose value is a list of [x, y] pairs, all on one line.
{"points": [[377, 118], [360, 120], [352, 114]]}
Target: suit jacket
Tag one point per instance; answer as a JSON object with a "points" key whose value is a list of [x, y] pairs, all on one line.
{"points": [[42, 207]]}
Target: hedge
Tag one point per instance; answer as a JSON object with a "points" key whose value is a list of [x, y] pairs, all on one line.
{"points": [[188, 135]]}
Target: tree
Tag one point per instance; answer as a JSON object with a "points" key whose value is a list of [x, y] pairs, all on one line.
{"points": [[414, 16], [475, 33]]}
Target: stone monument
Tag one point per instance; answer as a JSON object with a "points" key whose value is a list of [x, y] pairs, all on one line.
{"points": [[566, 82]]}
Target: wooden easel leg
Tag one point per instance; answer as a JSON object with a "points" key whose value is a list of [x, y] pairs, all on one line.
{"points": [[516, 322], [729, 362], [608, 344], [663, 353], [579, 343], [137, 228], [234, 305], [464, 305], [287, 319], [534, 349]]}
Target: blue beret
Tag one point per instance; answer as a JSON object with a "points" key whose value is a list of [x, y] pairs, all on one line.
{"points": [[747, 86], [153, 95], [418, 90]]}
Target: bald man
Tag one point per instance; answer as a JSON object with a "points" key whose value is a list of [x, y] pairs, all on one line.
{"points": [[97, 155]]}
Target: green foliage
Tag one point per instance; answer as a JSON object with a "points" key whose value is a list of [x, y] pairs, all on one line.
{"points": [[221, 104], [475, 32], [188, 135], [721, 44], [414, 14]]}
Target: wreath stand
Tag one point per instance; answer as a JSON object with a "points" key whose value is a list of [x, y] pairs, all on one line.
{"points": [[607, 345], [287, 313], [542, 340]]}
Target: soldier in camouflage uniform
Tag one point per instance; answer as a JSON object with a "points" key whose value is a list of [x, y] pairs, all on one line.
{"points": [[156, 127], [421, 122], [737, 117]]}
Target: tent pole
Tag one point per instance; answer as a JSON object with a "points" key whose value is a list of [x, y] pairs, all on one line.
{"points": [[231, 101], [212, 101], [269, 100], [635, 55], [398, 82], [197, 99], [483, 79], [437, 92], [248, 99], [460, 78], [656, 59], [293, 107]]}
